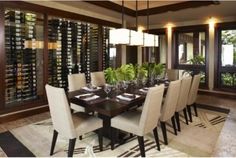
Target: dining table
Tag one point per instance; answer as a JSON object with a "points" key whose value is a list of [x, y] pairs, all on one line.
{"points": [[107, 108]]}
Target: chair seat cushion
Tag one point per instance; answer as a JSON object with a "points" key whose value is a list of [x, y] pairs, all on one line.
{"points": [[85, 123], [128, 122]]}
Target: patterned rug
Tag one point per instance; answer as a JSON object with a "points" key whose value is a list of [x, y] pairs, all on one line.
{"points": [[196, 139]]}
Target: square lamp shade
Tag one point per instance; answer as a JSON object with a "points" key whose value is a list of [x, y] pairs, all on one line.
{"points": [[136, 38], [149, 40], [156, 41], [119, 36]]}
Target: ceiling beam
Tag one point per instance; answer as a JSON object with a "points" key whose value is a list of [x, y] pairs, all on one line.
{"points": [[175, 7], [113, 6], [155, 10]]}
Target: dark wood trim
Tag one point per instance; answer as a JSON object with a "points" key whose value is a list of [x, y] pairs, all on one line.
{"points": [[218, 69], [159, 31], [45, 53], [155, 10], [176, 7], [185, 29], [114, 7], [2, 58], [23, 114], [213, 108], [100, 48], [56, 12], [217, 93], [24, 105]]}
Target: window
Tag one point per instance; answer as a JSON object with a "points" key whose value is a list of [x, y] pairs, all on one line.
{"points": [[191, 44], [226, 71], [157, 54]]}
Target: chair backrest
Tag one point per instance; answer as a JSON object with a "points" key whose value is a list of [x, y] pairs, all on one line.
{"points": [[194, 89], [60, 112], [76, 81], [171, 99], [151, 109], [172, 74], [183, 94], [98, 78]]}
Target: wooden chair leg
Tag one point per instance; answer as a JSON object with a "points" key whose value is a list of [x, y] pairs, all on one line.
{"points": [[163, 128], [185, 115], [54, 140], [71, 147], [195, 109], [155, 133], [177, 120], [189, 113], [100, 139], [141, 146], [173, 124]]}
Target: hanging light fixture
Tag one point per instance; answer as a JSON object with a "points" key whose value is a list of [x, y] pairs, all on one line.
{"points": [[136, 37], [121, 35], [149, 40]]}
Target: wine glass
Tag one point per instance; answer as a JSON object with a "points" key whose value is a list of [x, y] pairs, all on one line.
{"points": [[107, 89], [125, 85]]}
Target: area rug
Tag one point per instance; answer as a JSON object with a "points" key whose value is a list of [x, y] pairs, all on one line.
{"points": [[196, 139]]}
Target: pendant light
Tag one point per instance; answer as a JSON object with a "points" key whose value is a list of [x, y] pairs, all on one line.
{"points": [[121, 35], [136, 37], [149, 40]]}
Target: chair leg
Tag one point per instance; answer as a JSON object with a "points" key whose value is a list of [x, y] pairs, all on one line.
{"points": [[71, 147], [112, 138], [54, 140], [189, 113], [177, 120], [141, 146], [80, 137], [100, 139], [173, 124], [163, 128], [185, 115], [155, 133], [195, 109]]}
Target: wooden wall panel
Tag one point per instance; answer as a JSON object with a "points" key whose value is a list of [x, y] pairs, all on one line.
{"points": [[2, 58]]}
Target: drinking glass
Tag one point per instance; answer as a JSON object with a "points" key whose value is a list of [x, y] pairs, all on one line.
{"points": [[125, 85], [107, 89]]}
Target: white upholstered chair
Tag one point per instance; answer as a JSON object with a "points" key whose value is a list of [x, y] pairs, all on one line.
{"points": [[169, 106], [76, 82], [66, 124], [183, 98], [142, 122], [172, 74], [193, 95], [98, 78]]}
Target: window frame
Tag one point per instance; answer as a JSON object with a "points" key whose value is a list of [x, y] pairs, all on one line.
{"points": [[218, 49], [175, 55]]}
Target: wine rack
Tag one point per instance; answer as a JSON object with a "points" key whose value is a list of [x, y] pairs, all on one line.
{"points": [[20, 78], [106, 48], [73, 48]]}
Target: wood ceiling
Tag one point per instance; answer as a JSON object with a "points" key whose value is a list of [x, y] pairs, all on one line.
{"points": [[155, 7]]}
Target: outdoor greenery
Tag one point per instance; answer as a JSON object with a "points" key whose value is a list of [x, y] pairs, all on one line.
{"points": [[228, 79], [129, 72], [229, 37], [197, 60]]}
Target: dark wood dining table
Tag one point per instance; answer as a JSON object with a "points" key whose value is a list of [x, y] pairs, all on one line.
{"points": [[107, 108]]}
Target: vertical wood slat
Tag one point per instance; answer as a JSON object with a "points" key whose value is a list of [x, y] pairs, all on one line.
{"points": [[100, 48], [2, 57], [45, 53]]}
